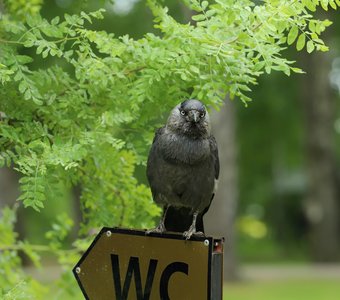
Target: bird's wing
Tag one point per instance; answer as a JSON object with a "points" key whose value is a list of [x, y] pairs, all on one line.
{"points": [[158, 132], [214, 153]]}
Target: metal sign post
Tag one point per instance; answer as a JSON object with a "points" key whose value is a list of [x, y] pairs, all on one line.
{"points": [[125, 264]]}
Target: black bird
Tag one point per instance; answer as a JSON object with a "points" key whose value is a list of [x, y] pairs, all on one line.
{"points": [[183, 169]]}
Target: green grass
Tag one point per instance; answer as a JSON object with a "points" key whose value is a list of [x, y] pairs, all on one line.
{"points": [[283, 290], [269, 290]]}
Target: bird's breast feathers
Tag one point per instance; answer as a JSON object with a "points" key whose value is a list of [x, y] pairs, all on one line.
{"points": [[178, 148]]}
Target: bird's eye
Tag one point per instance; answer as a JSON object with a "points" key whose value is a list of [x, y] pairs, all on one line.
{"points": [[182, 112], [202, 115]]}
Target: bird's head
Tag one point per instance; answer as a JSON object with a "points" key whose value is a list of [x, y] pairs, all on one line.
{"points": [[190, 118]]}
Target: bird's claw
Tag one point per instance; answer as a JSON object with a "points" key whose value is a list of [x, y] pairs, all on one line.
{"points": [[159, 229], [187, 234]]}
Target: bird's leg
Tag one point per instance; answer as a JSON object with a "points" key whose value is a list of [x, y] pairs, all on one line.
{"points": [[161, 227], [192, 229]]}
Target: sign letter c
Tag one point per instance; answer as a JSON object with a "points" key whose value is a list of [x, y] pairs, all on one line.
{"points": [[167, 273]]}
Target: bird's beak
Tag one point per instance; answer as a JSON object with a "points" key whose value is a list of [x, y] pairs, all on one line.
{"points": [[194, 116]]}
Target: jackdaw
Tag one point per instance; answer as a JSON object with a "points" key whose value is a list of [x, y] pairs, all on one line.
{"points": [[183, 168]]}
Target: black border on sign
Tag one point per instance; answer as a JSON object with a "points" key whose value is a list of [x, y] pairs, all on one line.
{"points": [[167, 235]]}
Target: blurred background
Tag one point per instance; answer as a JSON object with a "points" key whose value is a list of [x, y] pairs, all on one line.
{"points": [[278, 202]]}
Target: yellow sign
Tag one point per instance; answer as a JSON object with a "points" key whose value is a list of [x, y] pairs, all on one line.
{"points": [[126, 264]]}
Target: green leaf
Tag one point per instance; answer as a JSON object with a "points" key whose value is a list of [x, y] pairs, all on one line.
{"points": [[36, 100], [204, 4], [18, 76], [297, 70], [86, 16], [323, 48], [23, 59], [55, 20], [31, 21], [327, 22], [184, 76], [310, 5], [270, 26], [210, 13], [311, 26], [45, 53], [333, 4], [22, 86], [301, 42], [52, 31], [68, 19], [310, 46], [194, 69], [324, 4], [29, 43], [258, 66], [98, 14], [292, 35], [199, 17]]}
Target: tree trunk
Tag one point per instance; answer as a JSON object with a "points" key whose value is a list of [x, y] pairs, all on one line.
{"points": [[219, 220], [321, 205]]}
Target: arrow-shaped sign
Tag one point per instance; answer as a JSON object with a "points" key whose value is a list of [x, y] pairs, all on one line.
{"points": [[126, 264]]}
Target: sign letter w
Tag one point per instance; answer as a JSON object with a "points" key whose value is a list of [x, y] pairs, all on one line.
{"points": [[133, 268]]}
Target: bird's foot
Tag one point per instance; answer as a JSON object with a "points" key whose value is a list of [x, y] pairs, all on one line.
{"points": [[187, 234], [159, 229]]}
